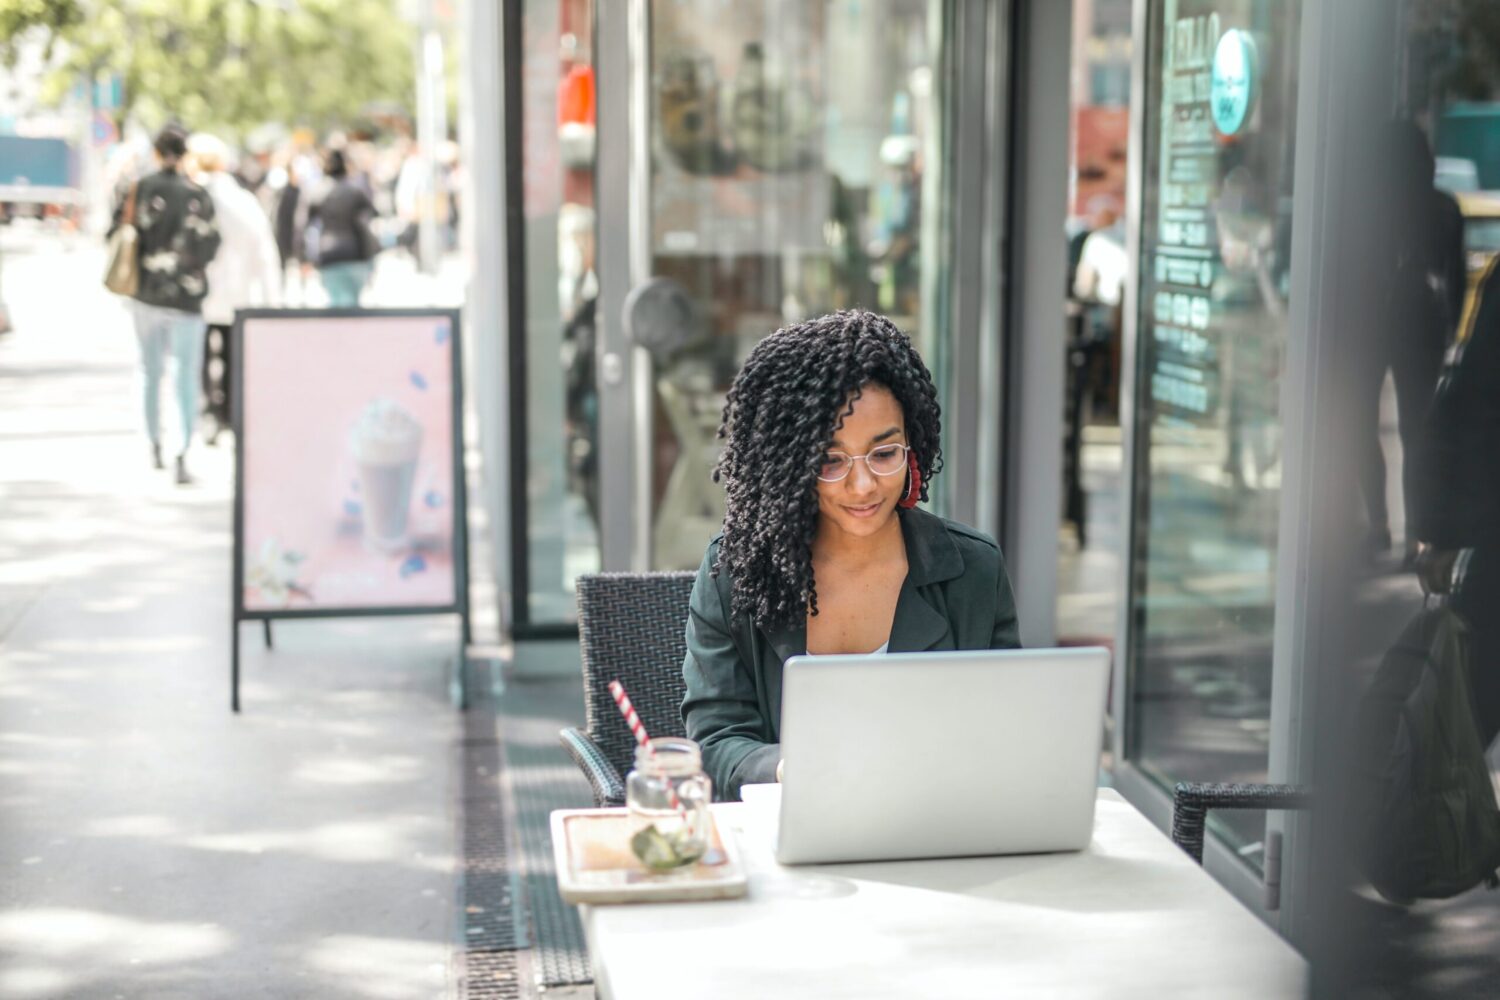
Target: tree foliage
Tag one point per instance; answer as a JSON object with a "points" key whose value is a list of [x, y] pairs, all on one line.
{"points": [[228, 64]]}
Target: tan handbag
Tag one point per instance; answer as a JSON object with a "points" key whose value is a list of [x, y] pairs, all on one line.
{"points": [[123, 275]]}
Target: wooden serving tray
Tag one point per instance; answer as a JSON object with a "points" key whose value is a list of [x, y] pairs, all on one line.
{"points": [[591, 848]]}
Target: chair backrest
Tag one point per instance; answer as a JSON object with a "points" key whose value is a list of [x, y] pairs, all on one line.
{"points": [[632, 628]]}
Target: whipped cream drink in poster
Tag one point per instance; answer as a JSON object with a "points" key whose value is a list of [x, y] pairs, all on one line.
{"points": [[350, 490], [386, 443]]}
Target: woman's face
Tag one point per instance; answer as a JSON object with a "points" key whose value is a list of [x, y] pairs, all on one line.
{"points": [[862, 503]]}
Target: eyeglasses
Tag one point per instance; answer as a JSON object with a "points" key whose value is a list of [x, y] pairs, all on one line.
{"points": [[887, 460]]}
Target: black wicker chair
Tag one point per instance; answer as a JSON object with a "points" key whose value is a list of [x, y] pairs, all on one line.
{"points": [[1192, 801], [631, 628]]}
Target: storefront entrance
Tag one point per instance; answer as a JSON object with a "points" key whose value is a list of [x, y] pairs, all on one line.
{"points": [[686, 178]]}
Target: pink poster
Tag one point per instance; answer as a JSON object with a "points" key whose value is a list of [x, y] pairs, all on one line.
{"points": [[347, 462]]}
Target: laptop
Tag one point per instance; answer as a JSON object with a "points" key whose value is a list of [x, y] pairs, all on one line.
{"points": [[938, 755]]}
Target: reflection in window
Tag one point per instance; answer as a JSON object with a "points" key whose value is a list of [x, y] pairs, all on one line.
{"points": [[1090, 546], [795, 171], [1215, 241], [558, 113]]}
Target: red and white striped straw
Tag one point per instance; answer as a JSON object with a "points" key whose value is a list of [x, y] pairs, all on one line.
{"points": [[622, 701]]}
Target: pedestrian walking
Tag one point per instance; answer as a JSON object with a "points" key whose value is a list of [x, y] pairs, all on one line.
{"points": [[340, 239], [176, 239], [245, 272], [1419, 279], [286, 211]]}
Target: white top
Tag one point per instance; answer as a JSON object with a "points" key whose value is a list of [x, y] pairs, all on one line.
{"points": [[1130, 916], [247, 269], [885, 647]]}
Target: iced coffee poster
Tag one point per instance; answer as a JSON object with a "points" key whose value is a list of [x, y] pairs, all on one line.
{"points": [[348, 469]]}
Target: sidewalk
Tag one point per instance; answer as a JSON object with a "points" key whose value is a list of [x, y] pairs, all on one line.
{"points": [[153, 844]]}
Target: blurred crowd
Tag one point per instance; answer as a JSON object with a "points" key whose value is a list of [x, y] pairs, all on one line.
{"points": [[201, 229], [292, 175]]}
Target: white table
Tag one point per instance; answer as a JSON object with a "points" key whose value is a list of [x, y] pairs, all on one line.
{"points": [[1132, 916]]}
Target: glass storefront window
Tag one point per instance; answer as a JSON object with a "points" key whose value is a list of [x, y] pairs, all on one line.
{"points": [[796, 169], [558, 117], [1089, 545], [1214, 281]]}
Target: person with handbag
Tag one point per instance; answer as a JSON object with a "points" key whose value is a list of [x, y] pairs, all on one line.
{"points": [[339, 238], [1430, 827], [1459, 529], [161, 242]]}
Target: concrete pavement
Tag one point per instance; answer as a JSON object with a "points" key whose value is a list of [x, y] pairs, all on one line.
{"points": [[152, 844]]}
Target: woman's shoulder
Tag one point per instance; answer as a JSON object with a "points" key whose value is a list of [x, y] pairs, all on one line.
{"points": [[970, 542], [710, 574], [715, 571], [713, 588], [951, 554], [967, 537]]}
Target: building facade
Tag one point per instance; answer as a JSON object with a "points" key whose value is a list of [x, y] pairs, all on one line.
{"points": [[1188, 431]]}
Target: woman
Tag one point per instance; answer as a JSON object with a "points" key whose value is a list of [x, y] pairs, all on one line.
{"points": [[340, 238], [832, 434], [245, 272], [177, 238]]}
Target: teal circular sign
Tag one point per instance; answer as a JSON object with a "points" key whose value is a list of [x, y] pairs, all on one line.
{"points": [[1232, 81]]}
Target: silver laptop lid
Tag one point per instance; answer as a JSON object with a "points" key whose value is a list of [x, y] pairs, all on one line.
{"points": [[926, 755]]}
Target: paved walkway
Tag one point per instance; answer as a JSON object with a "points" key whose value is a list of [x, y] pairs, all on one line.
{"points": [[152, 844]]}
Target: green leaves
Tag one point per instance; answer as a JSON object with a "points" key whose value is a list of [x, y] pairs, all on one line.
{"points": [[228, 65], [21, 18]]}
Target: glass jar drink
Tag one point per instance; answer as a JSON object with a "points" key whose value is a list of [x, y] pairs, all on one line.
{"points": [[668, 796]]}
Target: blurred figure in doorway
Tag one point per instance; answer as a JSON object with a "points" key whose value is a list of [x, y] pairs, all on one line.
{"points": [[1419, 278], [1096, 283]]}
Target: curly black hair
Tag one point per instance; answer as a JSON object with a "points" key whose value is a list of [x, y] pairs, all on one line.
{"points": [[782, 412]]}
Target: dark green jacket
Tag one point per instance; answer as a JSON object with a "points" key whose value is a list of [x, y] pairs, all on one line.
{"points": [[956, 596]]}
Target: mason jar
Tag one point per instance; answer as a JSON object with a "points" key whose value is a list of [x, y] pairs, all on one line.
{"points": [[668, 796]]}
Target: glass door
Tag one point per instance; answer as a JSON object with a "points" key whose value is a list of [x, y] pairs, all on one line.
{"points": [[768, 162], [1215, 266], [552, 298]]}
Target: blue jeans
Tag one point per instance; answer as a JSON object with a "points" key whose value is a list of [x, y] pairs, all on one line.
{"points": [[160, 332], [344, 282]]}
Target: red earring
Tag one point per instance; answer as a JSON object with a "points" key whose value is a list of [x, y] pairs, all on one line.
{"points": [[913, 483]]}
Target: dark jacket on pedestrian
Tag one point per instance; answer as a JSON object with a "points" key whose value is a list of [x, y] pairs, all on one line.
{"points": [[288, 226], [956, 596], [1461, 480], [1461, 445], [342, 217], [177, 238]]}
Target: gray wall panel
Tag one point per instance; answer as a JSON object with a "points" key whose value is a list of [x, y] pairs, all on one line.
{"points": [[1033, 462], [482, 134]]}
